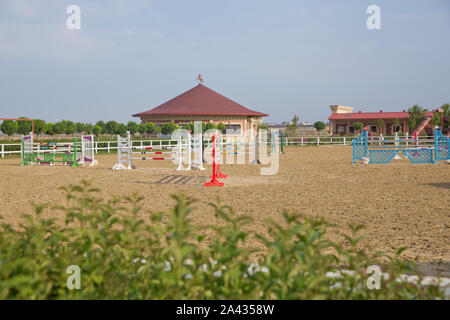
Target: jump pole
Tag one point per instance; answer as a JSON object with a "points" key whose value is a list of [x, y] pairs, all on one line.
{"points": [[214, 182], [217, 173], [282, 143]]}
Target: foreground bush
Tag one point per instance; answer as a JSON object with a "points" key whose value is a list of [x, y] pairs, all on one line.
{"points": [[122, 257]]}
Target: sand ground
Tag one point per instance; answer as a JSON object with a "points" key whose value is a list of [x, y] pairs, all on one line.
{"points": [[401, 204]]}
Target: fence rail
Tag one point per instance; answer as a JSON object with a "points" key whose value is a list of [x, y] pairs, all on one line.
{"points": [[347, 141], [108, 146]]}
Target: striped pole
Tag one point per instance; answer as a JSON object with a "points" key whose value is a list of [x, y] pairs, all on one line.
{"points": [[74, 163]]}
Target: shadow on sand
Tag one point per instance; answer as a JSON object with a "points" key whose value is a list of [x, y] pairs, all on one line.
{"points": [[445, 185]]}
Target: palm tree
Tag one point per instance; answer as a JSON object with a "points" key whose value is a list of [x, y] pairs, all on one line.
{"points": [[436, 119], [380, 125], [445, 115], [416, 116], [292, 127], [446, 108], [396, 124], [357, 126]]}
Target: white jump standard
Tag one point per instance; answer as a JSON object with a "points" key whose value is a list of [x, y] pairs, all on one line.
{"points": [[126, 153]]}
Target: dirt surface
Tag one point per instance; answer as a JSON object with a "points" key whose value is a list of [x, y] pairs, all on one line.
{"points": [[401, 204]]}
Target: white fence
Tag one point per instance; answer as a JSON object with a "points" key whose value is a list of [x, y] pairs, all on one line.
{"points": [[346, 141], [98, 145], [288, 141]]}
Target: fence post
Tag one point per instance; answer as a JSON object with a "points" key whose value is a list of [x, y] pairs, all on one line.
{"points": [[344, 141], [302, 141], [109, 145], [3, 150], [96, 147], [318, 141]]}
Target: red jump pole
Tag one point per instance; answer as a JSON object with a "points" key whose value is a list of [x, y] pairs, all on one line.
{"points": [[214, 182], [218, 174]]}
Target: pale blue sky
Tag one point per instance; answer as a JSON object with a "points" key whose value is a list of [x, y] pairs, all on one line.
{"points": [[278, 57]]}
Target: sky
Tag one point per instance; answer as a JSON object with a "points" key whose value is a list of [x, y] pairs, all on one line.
{"points": [[278, 57]]}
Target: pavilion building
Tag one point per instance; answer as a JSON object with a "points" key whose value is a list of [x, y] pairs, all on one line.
{"points": [[203, 104]]}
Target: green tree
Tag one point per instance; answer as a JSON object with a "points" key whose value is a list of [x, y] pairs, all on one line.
{"points": [[40, 126], [24, 127], [9, 127], [88, 127], [189, 127], [263, 126], [132, 127], [70, 127], [122, 129], [396, 123], [142, 129], [80, 127], [221, 127], [60, 127], [292, 127], [435, 119], [446, 108], [446, 114], [319, 126], [50, 129], [294, 123], [380, 125], [102, 125], [111, 127], [147, 128], [416, 116], [357, 126], [97, 130], [168, 127], [208, 126]]}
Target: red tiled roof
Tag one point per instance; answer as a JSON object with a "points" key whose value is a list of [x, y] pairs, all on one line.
{"points": [[372, 115], [201, 100]]}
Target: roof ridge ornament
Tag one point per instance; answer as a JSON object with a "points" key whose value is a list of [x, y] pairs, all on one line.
{"points": [[199, 78]]}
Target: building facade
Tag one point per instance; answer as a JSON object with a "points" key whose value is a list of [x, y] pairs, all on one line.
{"points": [[343, 117], [203, 104]]}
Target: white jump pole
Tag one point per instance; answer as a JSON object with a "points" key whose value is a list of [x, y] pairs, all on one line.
{"points": [[180, 155]]}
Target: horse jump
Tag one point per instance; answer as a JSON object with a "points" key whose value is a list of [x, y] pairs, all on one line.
{"points": [[71, 153], [385, 153], [126, 152]]}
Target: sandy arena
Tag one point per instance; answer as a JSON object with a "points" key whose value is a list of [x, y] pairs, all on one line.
{"points": [[401, 204]]}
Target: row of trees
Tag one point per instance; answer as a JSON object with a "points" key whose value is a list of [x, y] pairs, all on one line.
{"points": [[292, 127], [10, 127]]}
